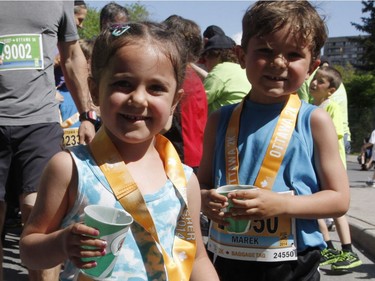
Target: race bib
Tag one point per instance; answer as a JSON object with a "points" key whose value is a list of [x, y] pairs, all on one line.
{"points": [[22, 51], [70, 137], [270, 240]]}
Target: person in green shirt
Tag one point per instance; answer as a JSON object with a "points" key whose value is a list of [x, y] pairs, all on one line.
{"points": [[339, 96], [324, 84], [226, 82]]}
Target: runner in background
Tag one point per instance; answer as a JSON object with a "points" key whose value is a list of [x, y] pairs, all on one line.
{"points": [[30, 131]]}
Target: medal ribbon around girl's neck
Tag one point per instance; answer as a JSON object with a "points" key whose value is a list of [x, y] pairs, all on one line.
{"points": [[178, 267]]}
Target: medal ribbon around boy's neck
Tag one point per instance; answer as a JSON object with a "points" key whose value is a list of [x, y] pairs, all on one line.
{"points": [[179, 266], [276, 149]]}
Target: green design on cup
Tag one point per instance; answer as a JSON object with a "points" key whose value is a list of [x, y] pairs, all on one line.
{"points": [[113, 224], [235, 225]]}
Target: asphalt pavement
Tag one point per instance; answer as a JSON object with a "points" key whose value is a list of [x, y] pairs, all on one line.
{"points": [[360, 216], [362, 207]]}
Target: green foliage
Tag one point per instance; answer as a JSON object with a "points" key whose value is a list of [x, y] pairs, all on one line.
{"points": [[361, 105], [90, 25], [362, 92], [137, 12], [368, 42], [347, 72]]}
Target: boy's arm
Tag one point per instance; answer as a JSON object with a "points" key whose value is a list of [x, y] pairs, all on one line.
{"points": [[209, 140], [212, 202], [203, 269], [333, 199]]}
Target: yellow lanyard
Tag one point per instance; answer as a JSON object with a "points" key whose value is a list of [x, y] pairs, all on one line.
{"points": [[276, 148], [179, 266]]}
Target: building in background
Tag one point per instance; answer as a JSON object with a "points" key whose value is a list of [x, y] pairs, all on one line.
{"points": [[344, 50]]}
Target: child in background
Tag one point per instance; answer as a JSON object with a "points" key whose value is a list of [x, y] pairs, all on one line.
{"points": [[190, 117], [324, 83], [226, 81], [279, 144], [137, 71], [113, 13]]}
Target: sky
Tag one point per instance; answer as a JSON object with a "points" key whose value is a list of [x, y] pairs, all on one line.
{"points": [[228, 14]]}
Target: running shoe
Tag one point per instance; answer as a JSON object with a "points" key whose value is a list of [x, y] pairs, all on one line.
{"points": [[329, 256], [370, 183], [346, 261]]}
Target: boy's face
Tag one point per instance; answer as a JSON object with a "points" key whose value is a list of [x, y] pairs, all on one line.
{"points": [[320, 86], [276, 65]]}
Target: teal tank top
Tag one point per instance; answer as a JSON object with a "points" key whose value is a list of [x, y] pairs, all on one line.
{"points": [[297, 171]]}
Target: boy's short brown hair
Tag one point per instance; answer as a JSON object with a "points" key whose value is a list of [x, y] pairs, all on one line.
{"points": [[304, 22], [333, 76]]}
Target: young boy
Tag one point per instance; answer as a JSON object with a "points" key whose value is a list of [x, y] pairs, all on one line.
{"points": [[325, 82], [279, 144]]}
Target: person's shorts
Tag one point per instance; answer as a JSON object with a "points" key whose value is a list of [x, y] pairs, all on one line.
{"points": [[26, 149]]}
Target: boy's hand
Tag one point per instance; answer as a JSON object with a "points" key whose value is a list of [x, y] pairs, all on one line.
{"points": [[79, 244], [257, 204], [212, 205]]}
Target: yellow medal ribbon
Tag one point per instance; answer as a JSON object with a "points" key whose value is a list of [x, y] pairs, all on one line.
{"points": [[274, 155], [178, 267], [276, 148]]}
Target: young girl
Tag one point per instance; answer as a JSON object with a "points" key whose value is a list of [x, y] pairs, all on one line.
{"points": [[287, 148], [137, 72]]}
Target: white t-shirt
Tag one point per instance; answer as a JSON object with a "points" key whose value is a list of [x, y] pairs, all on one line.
{"points": [[372, 140]]}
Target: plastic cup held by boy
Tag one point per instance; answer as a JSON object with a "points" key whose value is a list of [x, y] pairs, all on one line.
{"points": [[235, 225]]}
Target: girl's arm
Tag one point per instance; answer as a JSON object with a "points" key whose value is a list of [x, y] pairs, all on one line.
{"points": [[203, 269], [42, 233]]}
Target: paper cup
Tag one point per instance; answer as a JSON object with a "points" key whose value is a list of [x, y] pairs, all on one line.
{"points": [[113, 224], [235, 225]]}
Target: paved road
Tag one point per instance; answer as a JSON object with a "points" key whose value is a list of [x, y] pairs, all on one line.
{"points": [[361, 217]]}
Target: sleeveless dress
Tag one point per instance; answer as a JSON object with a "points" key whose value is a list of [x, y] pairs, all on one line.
{"points": [[165, 207]]}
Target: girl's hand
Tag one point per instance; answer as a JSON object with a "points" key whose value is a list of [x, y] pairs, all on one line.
{"points": [[212, 205], [257, 204], [79, 243]]}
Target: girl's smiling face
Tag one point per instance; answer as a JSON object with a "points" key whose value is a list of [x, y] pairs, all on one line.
{"points": [[136, 93], [276, 65]]}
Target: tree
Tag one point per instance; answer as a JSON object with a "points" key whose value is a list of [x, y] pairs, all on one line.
{"points": [[361, 107], [137, 12], [367, 42], [91, 24]]}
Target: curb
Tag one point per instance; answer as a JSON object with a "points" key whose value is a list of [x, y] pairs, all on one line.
{"points": [[362, 234]]}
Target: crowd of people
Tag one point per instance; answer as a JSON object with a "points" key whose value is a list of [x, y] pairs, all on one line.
{"points": [[173, 113]]}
